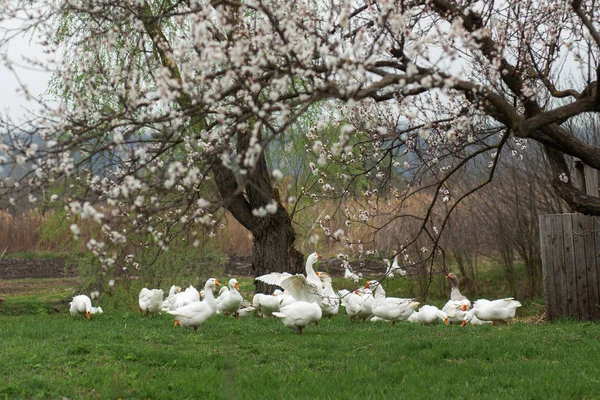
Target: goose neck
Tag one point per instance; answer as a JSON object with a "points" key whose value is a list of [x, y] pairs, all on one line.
{"points": [[379, 292], [310, 272], [209, 297]]}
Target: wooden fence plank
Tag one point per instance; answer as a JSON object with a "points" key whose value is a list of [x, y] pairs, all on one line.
{"points": [[591, 181], [560, 275], [583, 300], [570, 251], [569, 256], [590, 264], [547, 265]]}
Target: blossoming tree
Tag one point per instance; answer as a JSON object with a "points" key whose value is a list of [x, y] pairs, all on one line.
{"points": [[164, 109]]}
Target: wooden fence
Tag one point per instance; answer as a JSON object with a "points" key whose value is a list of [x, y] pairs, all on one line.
{"points": [[571, 265]]}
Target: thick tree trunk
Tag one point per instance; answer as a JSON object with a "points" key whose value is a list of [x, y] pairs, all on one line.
{"points": [[274, 250]]}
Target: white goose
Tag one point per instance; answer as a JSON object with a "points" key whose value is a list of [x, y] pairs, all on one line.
{"points": [[396, 268], [96, 310], [181, 299], [299, 314], [266, 304], [429, 315], [196, 313], [81, 305], [307, 290], [390, 308], [368, 302], [330, 304], [246, 312], [497, 311], [455, 293], [304, 288], [171, 297], [353, 303], [150, 300], [456, 308], [229, 301]]}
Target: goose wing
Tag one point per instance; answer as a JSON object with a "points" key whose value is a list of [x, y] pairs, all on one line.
{"points": [[274, 278]]}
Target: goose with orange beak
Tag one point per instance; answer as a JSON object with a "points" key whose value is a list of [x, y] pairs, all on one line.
{"points": [[391, 308], [429, 315], [81, 305], [230, 301], [303, 288], [193, 315]]}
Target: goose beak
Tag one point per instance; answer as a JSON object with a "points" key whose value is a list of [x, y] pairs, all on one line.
{"points": [[236, 286], [367, 285], [318, 273], [463, 323], [464, 307], [446, 321], [217, 282], [356, 292], [318, 255], [272, 294], [176, 323], [89, 314], [448, 276]]}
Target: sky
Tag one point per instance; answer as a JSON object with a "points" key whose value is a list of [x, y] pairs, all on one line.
{"points": [[13, 101]]}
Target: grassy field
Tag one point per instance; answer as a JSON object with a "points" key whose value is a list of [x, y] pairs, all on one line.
{"points": [[125, 355], [46, 353]]}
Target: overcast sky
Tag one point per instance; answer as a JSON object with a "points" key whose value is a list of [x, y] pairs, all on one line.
{"points": [[10, 100]]}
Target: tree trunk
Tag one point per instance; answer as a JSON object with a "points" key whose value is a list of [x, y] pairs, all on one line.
{"points": [[274, 251]]}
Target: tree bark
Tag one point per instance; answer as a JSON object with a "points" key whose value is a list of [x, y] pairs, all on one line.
{"points": [[273, 250]]}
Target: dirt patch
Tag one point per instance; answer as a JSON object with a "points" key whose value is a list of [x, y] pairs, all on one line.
{"points": [[37, 286], [25, 268]]}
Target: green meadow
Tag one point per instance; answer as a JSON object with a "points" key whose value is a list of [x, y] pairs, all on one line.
{"points": [[48, 354]]}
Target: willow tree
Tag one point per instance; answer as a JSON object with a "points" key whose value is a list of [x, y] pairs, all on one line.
{"points": [[164, 104]]}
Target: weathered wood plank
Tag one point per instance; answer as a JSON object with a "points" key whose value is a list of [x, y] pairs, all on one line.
{"points": [[591, 181], [569, 256], [560, 275], [583, 300], [547, 265], [590, 264]]}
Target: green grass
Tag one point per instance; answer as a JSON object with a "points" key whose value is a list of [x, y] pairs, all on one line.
{"points": [[129, 356], [36, 296]]}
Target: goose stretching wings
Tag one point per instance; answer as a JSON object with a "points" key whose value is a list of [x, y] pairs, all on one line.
{"points": [[303, 288]]}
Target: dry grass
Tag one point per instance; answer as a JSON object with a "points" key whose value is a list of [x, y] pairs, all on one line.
{"points": [[386, 232], [20, 233]]}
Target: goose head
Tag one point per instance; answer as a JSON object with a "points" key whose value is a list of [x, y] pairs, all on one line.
{"points": [[211, 284], [468, 318], [233, 284], [371, 284], [453, 279], [313, 258]]}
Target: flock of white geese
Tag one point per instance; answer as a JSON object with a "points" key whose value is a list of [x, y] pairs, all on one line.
{"points": [[308, 298]]}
